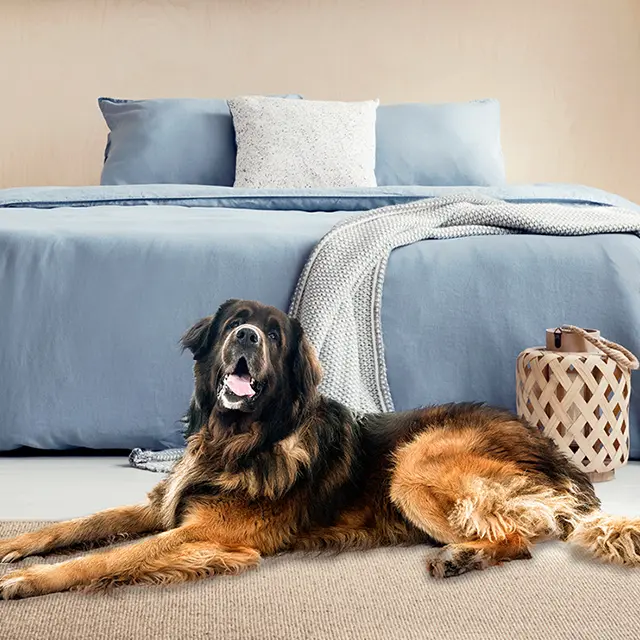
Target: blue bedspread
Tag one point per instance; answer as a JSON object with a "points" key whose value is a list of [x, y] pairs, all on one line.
{"points": [[98, 283]]}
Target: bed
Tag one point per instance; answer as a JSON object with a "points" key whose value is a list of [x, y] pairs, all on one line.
{"points": [[132, 267]]}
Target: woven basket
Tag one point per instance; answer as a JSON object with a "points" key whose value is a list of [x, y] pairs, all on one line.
{"points": [[579, 398]]}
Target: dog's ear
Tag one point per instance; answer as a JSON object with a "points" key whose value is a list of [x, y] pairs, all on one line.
{"points": [[200, 337], [307, 372]]}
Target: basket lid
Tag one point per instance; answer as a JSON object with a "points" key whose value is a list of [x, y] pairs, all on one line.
{"points": [[569, 342]]}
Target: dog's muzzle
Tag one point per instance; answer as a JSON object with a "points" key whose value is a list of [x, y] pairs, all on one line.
{"points": [[245, 349]]}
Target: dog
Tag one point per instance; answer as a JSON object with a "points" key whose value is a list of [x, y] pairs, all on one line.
{"points": [[273, 466]]}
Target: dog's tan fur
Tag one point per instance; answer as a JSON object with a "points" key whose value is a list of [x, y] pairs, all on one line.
{"points": [[300, 472]]}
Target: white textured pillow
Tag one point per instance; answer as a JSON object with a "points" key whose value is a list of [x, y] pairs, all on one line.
{"points": [[304, 144]]}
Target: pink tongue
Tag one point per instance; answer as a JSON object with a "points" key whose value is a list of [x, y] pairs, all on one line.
{"points": [[240, 385]]}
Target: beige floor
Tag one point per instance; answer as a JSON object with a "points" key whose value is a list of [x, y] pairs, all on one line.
{"points": [[43, 488], [383, 594], [380, 595]]}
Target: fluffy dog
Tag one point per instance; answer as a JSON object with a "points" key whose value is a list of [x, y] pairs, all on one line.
{"points": [[273, 466]]}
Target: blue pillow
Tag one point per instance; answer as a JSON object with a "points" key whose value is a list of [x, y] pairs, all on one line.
{"points": [[439, 144], [173, 140]]}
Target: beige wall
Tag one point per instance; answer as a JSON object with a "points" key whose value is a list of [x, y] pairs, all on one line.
{"points": [[566, 71]]}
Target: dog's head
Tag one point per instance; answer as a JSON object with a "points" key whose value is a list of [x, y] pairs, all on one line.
{"points": [[251, 358]]}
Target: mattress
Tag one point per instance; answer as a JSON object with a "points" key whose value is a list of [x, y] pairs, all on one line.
{"points": [[97, 284]]}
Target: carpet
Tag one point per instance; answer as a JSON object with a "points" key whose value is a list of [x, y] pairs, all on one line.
{"points": [[382, 594]]}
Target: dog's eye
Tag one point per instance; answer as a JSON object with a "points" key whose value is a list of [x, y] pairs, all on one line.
{"points": [[234, 324], [273, 335]]}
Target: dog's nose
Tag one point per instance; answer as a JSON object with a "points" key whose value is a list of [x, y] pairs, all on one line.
{"points": [[246, 336]]}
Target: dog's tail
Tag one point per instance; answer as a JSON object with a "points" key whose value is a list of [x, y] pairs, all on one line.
{"points": [[610, 538]]}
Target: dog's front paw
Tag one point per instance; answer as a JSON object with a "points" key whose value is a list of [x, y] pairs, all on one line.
{"points": [[14, 549], [24, 583], [10, 551], [10, 556]]}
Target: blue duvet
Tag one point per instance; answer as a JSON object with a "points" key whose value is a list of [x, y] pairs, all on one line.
{"points": [[97, 284]]}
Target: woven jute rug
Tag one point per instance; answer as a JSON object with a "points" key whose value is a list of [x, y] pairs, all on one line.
{"points": [[382, 594]]}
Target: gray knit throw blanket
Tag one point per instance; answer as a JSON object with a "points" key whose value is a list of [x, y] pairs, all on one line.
{"points": [[339, 293]]}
